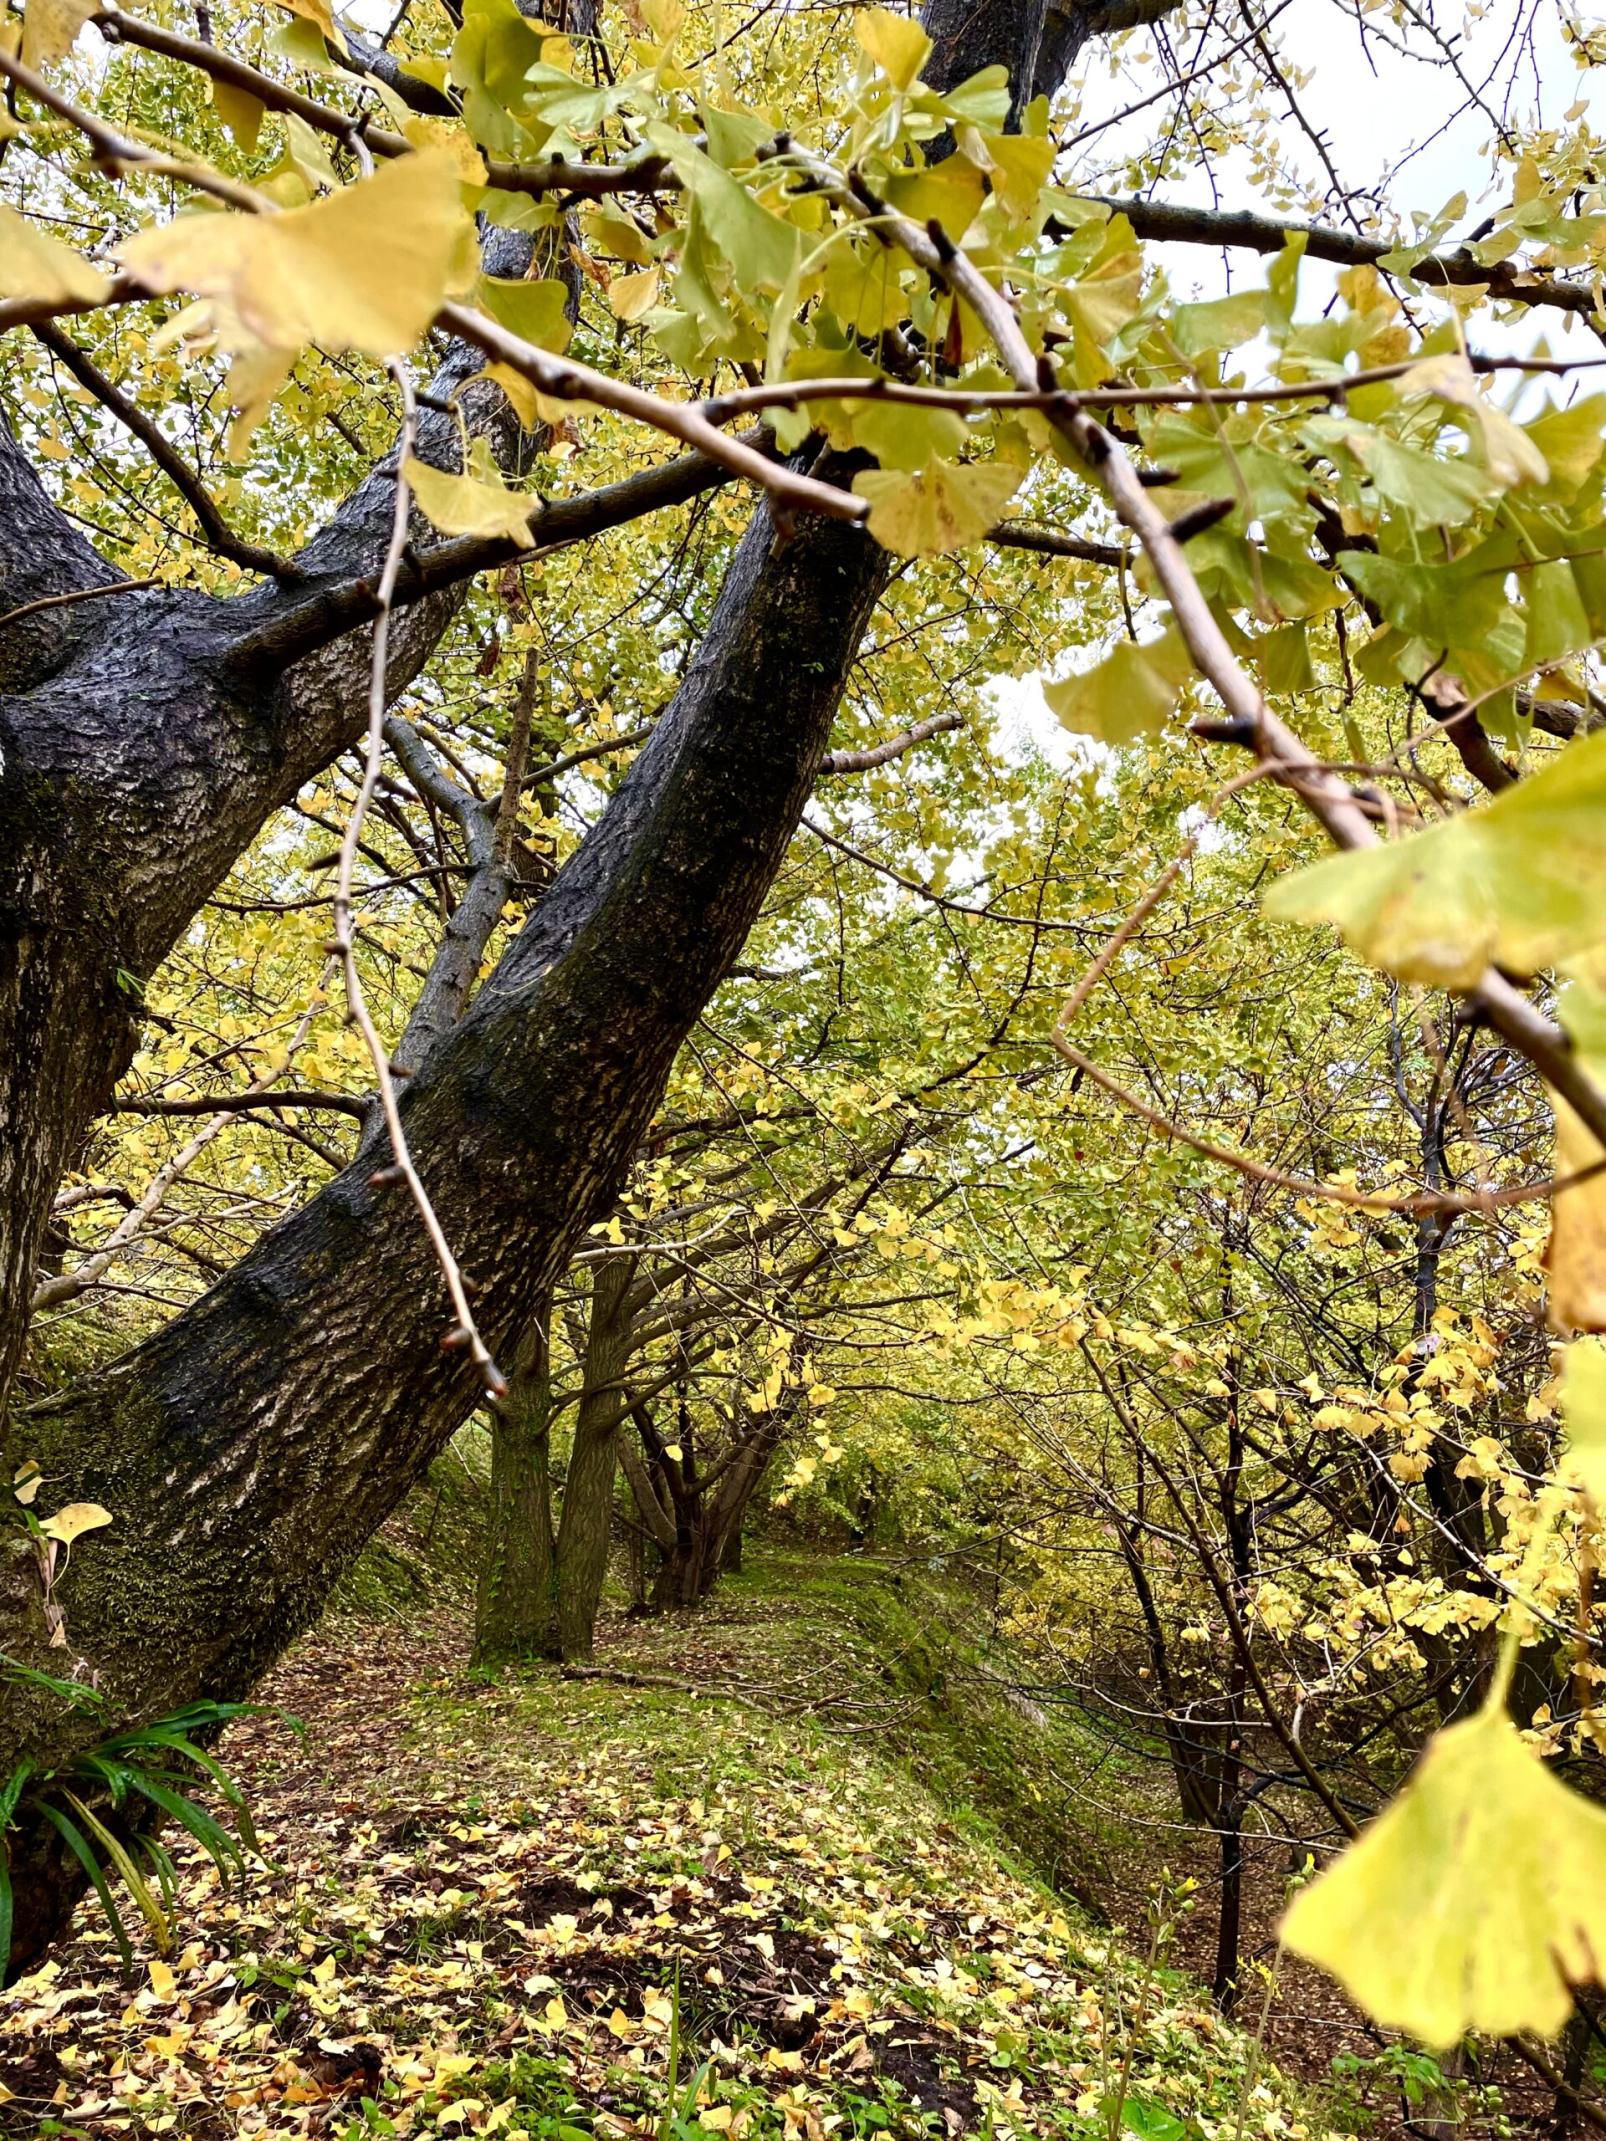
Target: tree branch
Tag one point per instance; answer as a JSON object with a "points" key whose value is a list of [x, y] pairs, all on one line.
{"points": [[219, 536], [1240, 229], [882, 754]]}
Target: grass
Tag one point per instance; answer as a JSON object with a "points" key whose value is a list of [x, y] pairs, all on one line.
{"points": [[780, 1869]]}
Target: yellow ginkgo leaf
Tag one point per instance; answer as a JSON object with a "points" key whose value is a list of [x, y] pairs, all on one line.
{"points": [[521, 392], [50, 29], [35, 265], [447, 134], [629, 296], [73, 1521], [1575, 1255], [897, 43], [1583, 1405], [240, 112], [1521, 880], [1473, 1902], [945, 506], [320, 14], [478, 503], [255, 377], [366, 269]]}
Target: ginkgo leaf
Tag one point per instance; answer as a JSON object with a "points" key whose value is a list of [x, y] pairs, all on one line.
{"points": [[1583, 1405], [1473, 1902], [536, 309], [240, 112], [945, 506], [1131, 693], [474, 504], [631, 296], [521, 392], [50, 29], [35, 265], [760, 248], [255, 377], [73, 1521], [1575, 1253], [1520, 880], [321, 16], [366, 269], [1512, 456], [896, 43], [26, 1481]]}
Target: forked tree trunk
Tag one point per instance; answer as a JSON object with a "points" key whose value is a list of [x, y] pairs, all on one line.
{"points": [[696, 1523], [249, 1449]]}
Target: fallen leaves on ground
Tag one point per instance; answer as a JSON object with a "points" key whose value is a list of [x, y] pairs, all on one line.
{"points": [[481, 1895]]}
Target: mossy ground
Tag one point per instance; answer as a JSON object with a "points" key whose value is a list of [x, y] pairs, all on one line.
{"points": [[803, 1806]]}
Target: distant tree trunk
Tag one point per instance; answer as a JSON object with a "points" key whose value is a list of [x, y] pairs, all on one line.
{"points": [[695, 1520], [1225, 1984], [1236, 1522], [514, 1603], [586, 1522]]}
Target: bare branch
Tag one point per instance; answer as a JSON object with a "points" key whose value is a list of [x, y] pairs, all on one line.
{"points": [[882, 754], [215, 529]]}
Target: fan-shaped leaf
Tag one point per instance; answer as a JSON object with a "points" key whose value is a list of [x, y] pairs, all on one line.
{"points": [[1474, 1901]]}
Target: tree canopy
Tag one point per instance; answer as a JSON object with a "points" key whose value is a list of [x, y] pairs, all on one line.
{"points": [[726, 743]]}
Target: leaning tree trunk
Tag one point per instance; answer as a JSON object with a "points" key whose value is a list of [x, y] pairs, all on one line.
{"points": [[249, 1449], [514, 1597]]}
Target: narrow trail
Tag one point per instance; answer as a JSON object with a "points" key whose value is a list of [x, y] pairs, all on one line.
{"points": [[482, 1894]]}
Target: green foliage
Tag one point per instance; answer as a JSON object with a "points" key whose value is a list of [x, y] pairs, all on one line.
{"points": [[81, 1800]]}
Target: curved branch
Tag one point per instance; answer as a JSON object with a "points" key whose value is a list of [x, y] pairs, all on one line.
{"points": [[215, 530]]}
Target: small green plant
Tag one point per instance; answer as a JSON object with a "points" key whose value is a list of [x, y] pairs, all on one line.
{"points": [[678, 2120], [156, 1762]]}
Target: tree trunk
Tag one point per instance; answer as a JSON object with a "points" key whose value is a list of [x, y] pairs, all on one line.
{"points": [[704, 1540], [1225, 1983], [587, 1521], [514, 1600], [249, 1449]]}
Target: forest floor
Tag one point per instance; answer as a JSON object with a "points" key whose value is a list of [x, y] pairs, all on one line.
{"points": [[482, 1895]]}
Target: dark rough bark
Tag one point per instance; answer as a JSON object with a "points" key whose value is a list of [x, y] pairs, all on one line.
{"points": [[514, 1596], [144, 741], [695, 1521], [250, 1448]]}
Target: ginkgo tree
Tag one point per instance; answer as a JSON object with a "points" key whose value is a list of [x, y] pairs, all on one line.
{"points": [[846, 267]]}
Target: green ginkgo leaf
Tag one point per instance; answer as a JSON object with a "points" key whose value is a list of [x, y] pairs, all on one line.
{"points": [[1521, 880], [1474, 1902], [760, 248], [1131, 693], [945, 506]]}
